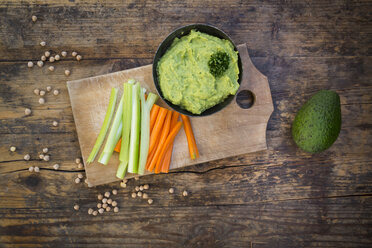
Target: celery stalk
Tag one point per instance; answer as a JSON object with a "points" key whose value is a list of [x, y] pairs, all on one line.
{"points": [[114, 134], [127, 118], [135, 129], [145, 129], [105, 126]]}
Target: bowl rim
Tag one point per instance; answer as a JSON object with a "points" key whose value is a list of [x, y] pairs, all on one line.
{"points": [[216, 108]]}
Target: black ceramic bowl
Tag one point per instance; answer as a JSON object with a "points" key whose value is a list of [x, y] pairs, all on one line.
{"points": [[168, 42]]}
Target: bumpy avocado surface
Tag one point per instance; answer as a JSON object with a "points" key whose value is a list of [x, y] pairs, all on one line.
{"points": [[318, 123]]}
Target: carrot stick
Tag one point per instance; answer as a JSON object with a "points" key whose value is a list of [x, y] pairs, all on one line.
{"points": [[172, 135], [166, 159], [149, 158], [165, 163], [153, 114], [193, 149], [157, 127], [118, 146], [163, 137]]}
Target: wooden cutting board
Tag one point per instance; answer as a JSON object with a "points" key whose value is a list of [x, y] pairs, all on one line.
{"points": [[230, 132]]}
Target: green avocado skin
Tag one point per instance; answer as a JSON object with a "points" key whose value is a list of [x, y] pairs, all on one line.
{"points": [[318, 123]]}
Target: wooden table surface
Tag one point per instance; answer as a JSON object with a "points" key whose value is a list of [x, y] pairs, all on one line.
{"points": [[281, 197]]}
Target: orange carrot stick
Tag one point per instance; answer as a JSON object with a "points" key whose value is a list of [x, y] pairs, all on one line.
{"points": [[166, 160], [157, 127], [165, 163], [118, 146], [149, 158], [172, 135], [163, 137], [193, 149], [153, 114]]}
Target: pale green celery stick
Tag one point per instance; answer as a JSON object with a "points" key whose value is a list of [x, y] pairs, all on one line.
{"points": [[135, 130], [127, 119], [105, 126], [112, 139], [145, 129]]}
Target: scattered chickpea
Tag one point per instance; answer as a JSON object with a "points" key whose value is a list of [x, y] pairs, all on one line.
{"points": [[150, 201], [108, 209], [36, 92], [141, 188], [47, 54], [116, 209], [77, 180], [101, 210], [86, 181], [64, 53], [95, 213], [46, 158], [51, 59], [104, 205], [171, 190], [146, 186], [45, 150], [40, 63], [107, 194], [34, 18], [41, 100], [51, 68], [79, 57], [77, 160], [36, 169], [139, 194], [56, 166], [74, 53], [55, 123], [136, 178], [99, 205], [31, 169], [137, 188], [41, 156], [43, 58], [90, 211], [27, 111], [134, 195], [13, 148], [80, 166], [42, 92], [76, 207], [49, 88], [184, 193], [109, 201], [57, 57], [80, 175], [114, 192], [67, 72], [56, 92], [145, 196], [123, 185], [114, 203], [30, 64], [27, 157], [104, 200], [43, 43], [100, 197]]}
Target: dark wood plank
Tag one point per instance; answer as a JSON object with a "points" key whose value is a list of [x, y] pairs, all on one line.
{"points": [[134, 29], [281, 197]]}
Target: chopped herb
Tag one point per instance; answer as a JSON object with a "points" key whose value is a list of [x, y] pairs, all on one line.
{"points": [[218, 63]]}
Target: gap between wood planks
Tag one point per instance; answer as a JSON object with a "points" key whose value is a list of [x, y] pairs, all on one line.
{"points": [[144, 58]]}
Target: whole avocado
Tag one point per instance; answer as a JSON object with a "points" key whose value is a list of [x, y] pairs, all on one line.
{"points": [[318, 123]]}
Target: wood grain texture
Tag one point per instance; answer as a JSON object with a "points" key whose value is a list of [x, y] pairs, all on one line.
{"points": [[281, 197], [224, 134]]}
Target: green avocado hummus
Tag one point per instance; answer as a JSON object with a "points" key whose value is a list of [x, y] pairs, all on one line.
{"points": [[185, 76]]}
